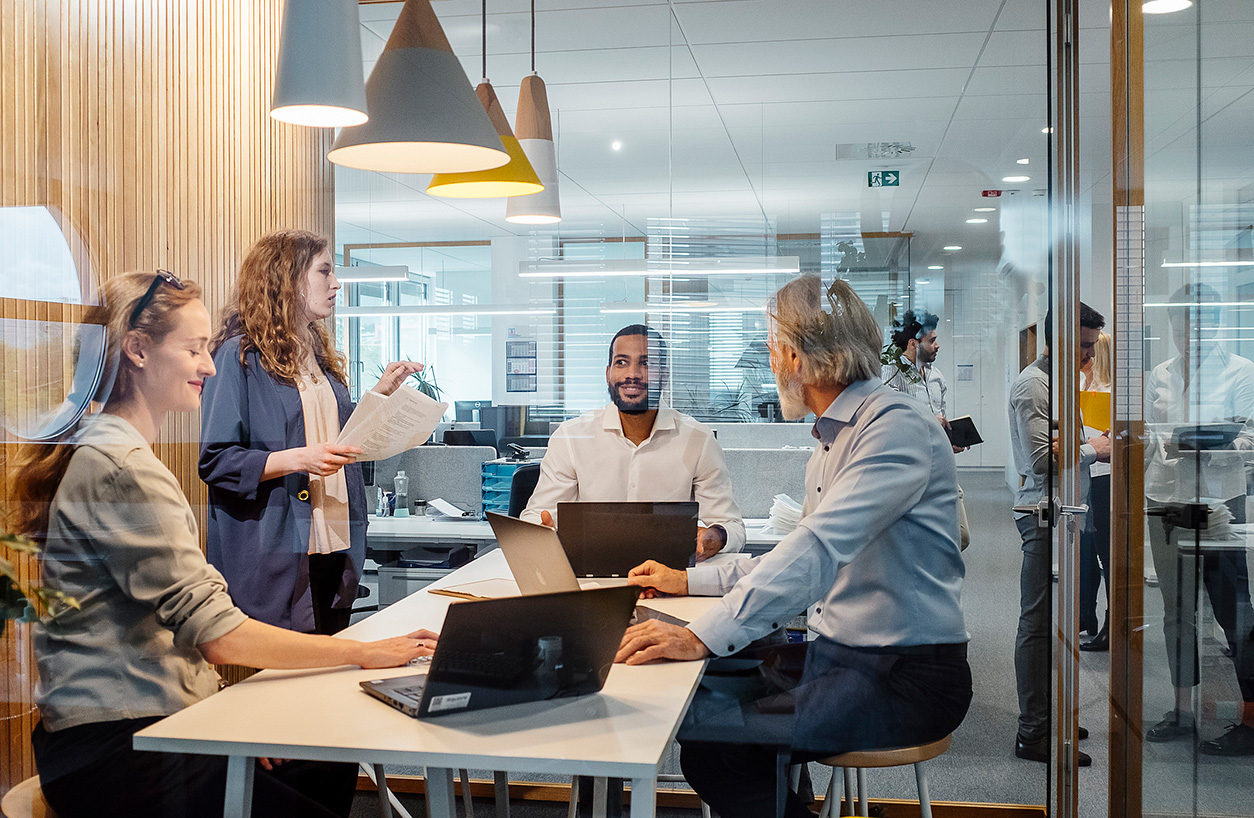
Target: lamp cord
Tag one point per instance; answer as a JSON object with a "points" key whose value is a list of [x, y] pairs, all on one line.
{"points": [[533, 36], [485, 40]]}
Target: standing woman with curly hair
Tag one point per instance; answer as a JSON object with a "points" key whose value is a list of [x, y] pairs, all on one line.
{"points": [[287, 504]]}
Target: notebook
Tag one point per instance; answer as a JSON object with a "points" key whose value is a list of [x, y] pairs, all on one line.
{"points": [[498, 652], [609, 539]]}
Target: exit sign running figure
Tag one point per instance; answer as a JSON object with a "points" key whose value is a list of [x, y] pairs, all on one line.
{"points": [[883, 178]]}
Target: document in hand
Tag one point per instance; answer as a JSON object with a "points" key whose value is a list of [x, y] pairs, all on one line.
{"points": [[387, 426]]}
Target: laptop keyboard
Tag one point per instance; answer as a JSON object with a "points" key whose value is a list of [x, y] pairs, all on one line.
{"points": [[414, 691]]}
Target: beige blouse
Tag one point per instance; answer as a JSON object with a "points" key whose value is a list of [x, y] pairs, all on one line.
{"points": [[328, 496]]}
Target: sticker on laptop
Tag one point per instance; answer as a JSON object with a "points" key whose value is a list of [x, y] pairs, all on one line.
{"points": [[453, 701]]}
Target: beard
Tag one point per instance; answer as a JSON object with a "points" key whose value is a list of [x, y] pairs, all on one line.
{"points": [[791, 397], [636, 406]]}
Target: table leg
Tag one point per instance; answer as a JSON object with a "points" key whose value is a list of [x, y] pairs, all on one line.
{"points": [[440, 799], [381, 783], [644, 797], [782, 756], [239, 787], [500, 780], [600, 796]]}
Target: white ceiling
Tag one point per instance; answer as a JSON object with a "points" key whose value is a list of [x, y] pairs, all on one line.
{"points": [[733, 109]]}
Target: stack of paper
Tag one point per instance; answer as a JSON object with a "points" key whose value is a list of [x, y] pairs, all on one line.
{"points": [[387, 426], [785, 514]]}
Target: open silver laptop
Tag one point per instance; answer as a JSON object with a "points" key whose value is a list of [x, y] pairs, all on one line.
{"points": [[540, 564], [534, 554]]}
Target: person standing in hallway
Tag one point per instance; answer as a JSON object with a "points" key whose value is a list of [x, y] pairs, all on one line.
{"points": [[1033, 446]]}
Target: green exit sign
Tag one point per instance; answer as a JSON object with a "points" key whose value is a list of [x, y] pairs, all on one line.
{"points": [[883, 178]]}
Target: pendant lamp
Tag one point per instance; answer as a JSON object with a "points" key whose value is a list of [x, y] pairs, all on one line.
{"points": [[319, 80], [424, 116], [516, 178], [534, 130]]}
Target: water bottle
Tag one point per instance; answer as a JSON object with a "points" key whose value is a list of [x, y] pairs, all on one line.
{"points": [[401, 484], [381, 503]]}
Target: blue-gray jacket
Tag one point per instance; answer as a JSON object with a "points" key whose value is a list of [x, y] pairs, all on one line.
{"points": [[258, 534]]}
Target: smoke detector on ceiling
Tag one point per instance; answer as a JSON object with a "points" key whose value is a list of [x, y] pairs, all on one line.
{"points": [[873, 150]]}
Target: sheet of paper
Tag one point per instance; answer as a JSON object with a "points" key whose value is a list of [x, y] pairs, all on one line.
{"points": [[480, 589], [448, 509], [401, 421]]}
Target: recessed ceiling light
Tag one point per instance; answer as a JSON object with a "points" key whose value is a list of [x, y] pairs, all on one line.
{"points": [[952, 247], [936, 266], [977, 221], [1016, 178], [985, 209], [1047, 130], [1022, 161], [923, 281], [616, 145], [1164, 6]]}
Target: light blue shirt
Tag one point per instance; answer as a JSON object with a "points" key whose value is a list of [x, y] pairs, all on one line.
{"points": [[877, 545]]}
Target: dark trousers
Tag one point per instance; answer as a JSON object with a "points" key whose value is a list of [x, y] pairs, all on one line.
{"points": [[326, 572], [1095, 555], [1225, 576], [1032, 646], [91, 771], [846, 699]]}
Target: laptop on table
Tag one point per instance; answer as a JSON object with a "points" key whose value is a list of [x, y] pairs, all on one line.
{"points": [[609, 539], [498, 652]]}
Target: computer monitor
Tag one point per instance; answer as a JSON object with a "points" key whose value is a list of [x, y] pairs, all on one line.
{"points": [[468, 410], [470, 437]]}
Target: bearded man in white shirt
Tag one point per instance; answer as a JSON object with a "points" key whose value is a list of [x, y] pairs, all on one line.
{"points": [[637, 448]]}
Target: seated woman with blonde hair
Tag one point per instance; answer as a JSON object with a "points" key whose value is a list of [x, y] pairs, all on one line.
{"points": [[120, 538]]}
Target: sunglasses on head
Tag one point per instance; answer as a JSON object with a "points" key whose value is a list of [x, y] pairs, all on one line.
{"points": [[162, 275]]}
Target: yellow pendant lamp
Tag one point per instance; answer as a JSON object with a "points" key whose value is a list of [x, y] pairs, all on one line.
{"points": [[514, 178]]}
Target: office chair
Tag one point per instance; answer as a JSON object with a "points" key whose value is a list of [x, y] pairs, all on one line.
{"points": [[521, 486]]}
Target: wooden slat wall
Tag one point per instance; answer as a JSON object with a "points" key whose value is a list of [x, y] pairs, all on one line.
{"points": [[146, 126]]}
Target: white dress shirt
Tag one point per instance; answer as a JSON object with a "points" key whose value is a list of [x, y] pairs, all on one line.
{"points": [[931, 387], [589, 458], [877, 542]]}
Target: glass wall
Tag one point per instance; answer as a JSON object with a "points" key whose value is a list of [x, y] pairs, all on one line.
{"points": [[1198, 387]]}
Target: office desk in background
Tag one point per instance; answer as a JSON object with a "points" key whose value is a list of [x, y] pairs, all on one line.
{"points": [[623, 731]]}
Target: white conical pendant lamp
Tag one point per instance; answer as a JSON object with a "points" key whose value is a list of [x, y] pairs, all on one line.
{"points": [[515, 178], [424, 116], [535, 135], [319, 80], [534, 129]]}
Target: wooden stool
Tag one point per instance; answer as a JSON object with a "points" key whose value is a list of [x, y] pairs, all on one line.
{"points": [[859, 762], [26, 800]]}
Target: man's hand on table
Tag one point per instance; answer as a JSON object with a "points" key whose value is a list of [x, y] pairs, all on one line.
{"points": [[547, 519], [655, 639], [654, 577], [710, 540]]}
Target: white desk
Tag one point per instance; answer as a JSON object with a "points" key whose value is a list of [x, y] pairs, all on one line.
{"points": [[622, 731]]}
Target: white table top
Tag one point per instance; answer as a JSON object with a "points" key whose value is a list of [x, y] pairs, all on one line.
{"points": [[391, 529], [323, 714]]}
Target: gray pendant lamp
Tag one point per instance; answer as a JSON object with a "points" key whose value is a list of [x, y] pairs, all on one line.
{"points": [[534, 129], [319, 81], [424, 116]]}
